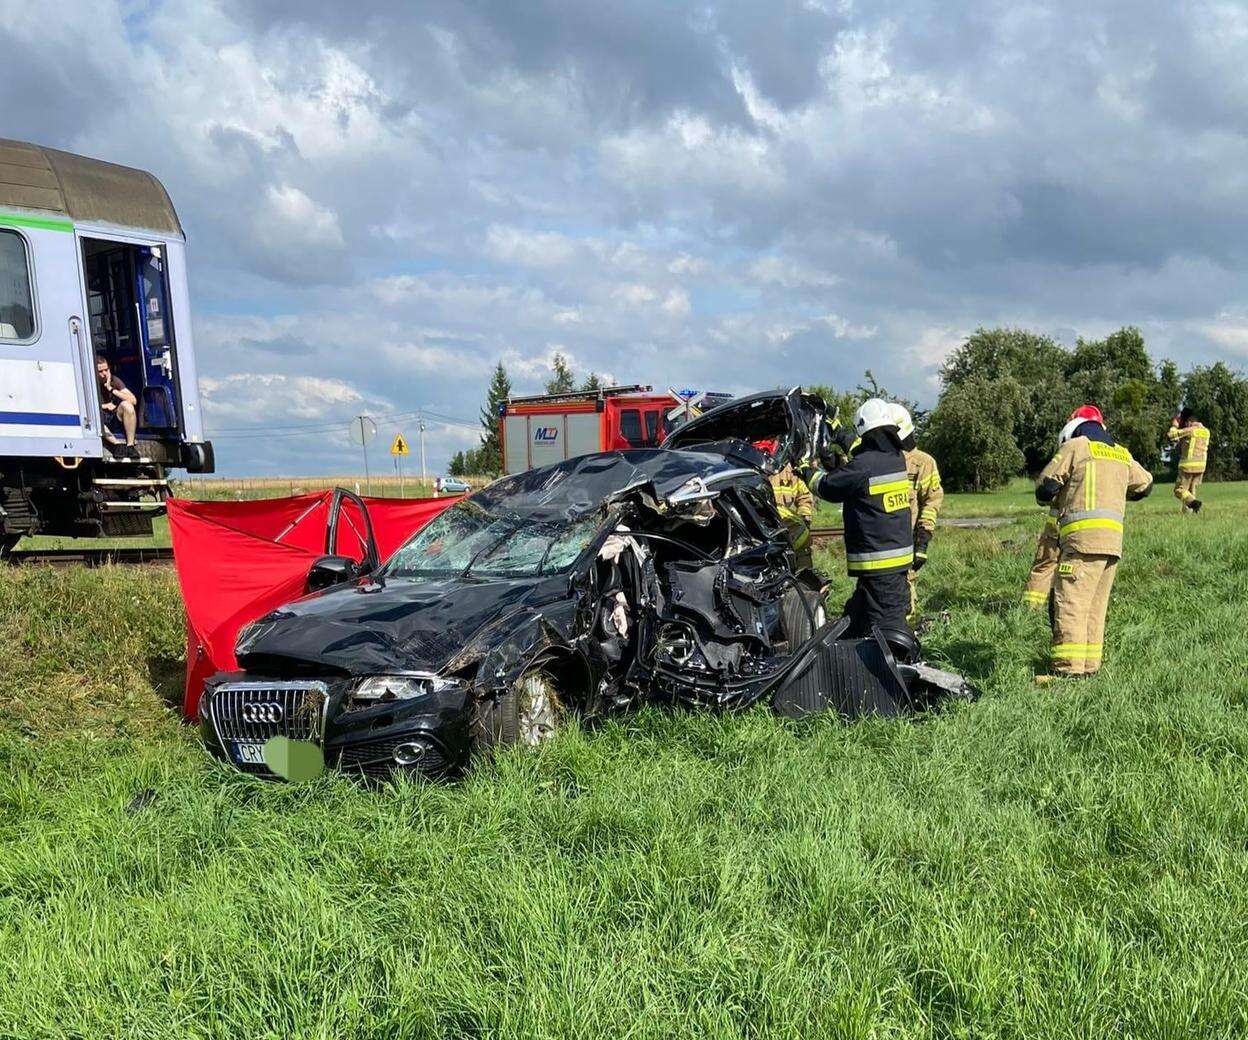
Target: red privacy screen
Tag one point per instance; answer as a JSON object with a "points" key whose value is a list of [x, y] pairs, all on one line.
{"points": [[239, 560]]}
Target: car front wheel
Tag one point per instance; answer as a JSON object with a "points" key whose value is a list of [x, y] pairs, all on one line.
{"points": [[529, 713]]}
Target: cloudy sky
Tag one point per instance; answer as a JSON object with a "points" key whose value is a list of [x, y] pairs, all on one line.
{"points": [[383, 199]]}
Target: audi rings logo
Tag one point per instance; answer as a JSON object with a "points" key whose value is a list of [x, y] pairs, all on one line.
{"points": [[267, 712]]}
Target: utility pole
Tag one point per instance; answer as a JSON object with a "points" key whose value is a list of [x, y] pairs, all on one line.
{"points": [[423, 476], [367, 431]]}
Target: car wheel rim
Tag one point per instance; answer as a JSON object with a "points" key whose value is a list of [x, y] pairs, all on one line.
{"points": [[539, 710]]}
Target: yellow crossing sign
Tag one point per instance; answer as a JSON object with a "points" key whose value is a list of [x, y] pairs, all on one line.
{"points": [[399, 447]]}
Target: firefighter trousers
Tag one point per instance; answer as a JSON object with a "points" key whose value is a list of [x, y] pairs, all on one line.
{"points": [[1043, 567], [1077, 611], [1185, 488], [879, 599]]}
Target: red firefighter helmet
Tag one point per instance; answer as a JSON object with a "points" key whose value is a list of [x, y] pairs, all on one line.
{"points": [[1088, 411]]}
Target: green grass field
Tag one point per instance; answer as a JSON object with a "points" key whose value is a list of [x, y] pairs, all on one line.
{"points": [[1061, 862]]}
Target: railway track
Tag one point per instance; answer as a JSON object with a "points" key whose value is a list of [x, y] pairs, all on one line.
{"points": [[89, 557]]}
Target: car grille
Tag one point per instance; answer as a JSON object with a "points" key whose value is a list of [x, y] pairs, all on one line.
{"points": [[255, 711], [375, 758]]}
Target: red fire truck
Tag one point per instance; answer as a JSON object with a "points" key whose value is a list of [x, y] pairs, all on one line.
{"points": [[539, 430]]}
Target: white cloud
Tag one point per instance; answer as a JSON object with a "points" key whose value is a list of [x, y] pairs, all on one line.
{"points": [[676, 303], [1229, 331], [300, 221], [635, 295], [511, 245], [790, 274], [265, 398]]}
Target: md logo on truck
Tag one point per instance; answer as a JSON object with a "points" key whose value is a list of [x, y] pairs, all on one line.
{"points": [[546, 435]]}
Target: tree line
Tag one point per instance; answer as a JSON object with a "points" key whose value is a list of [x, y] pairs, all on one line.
{"points": [[1004, 395]]}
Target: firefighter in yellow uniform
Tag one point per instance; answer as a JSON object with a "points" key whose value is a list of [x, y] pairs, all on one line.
{"points": [[926, 496], [1044, 563], [1089, 482], [796, 506], [1192, 439]]}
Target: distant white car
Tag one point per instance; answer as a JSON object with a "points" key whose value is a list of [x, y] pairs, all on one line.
{"points": [[451, 486]]}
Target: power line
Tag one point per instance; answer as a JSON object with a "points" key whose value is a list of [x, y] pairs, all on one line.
{"points": [[383, 418], [328, 424]]}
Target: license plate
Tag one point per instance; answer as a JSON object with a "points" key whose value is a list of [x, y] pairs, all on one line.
{"points": [[248, 753]]}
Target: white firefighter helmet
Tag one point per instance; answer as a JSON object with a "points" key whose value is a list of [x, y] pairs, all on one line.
{"points": [[905, 425], [873, 414], [1069, 429]]}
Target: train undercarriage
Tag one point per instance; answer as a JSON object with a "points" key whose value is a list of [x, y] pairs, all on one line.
{"points": [[84, 498]]}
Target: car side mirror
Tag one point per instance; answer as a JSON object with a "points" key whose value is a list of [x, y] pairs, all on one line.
{"points": [[332, 570]]}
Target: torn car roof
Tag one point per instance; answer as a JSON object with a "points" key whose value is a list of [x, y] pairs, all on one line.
{"points": [[579, 486]]}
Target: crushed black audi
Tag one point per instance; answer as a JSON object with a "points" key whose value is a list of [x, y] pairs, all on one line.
{"points": [[591, 586]]}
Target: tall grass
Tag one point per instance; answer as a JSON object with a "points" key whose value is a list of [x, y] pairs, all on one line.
{"points": [[1065, 861]]}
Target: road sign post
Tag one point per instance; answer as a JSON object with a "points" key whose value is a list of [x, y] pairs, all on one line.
{"points": [[398, 449]]}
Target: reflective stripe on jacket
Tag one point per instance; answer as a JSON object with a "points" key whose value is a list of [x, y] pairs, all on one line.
{"points": [[1095, 479], [875, 492]]}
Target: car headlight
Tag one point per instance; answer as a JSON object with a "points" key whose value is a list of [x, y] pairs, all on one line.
{"points": [[378, 688]]}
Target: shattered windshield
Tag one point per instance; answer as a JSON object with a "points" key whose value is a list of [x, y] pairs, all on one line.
{"points": [[467, 539]]}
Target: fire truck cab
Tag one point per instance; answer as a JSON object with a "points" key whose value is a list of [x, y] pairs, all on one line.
{"points": [[548, 428]]}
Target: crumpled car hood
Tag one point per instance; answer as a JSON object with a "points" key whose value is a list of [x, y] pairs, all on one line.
{"points": [[403, 624]]}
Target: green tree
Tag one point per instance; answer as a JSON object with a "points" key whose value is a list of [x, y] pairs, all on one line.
{"points": [[1219, 398], [490, 454], [1138, 398], [457, 466], [1037, 366], [846, 402], [562, 381], [970, 432], [593, 382]]}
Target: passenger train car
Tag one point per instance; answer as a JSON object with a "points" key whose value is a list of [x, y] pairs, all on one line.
{"points": [[92, 268]]}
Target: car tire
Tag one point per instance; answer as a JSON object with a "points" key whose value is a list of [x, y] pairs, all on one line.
{"points": [[796, 608], [529, 713]]}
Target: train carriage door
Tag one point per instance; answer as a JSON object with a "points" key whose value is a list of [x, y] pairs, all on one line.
{"points": [[48, 405], [127, 291]]}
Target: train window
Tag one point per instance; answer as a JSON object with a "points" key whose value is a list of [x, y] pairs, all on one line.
{"points": [[652, 428], [17, 305], [630, 426]]}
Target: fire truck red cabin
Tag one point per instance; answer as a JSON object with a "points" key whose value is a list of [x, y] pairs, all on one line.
{"points": [[541, 430]]}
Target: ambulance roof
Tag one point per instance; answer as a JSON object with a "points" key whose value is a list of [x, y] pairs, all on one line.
{"points": [[83, 190]]}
